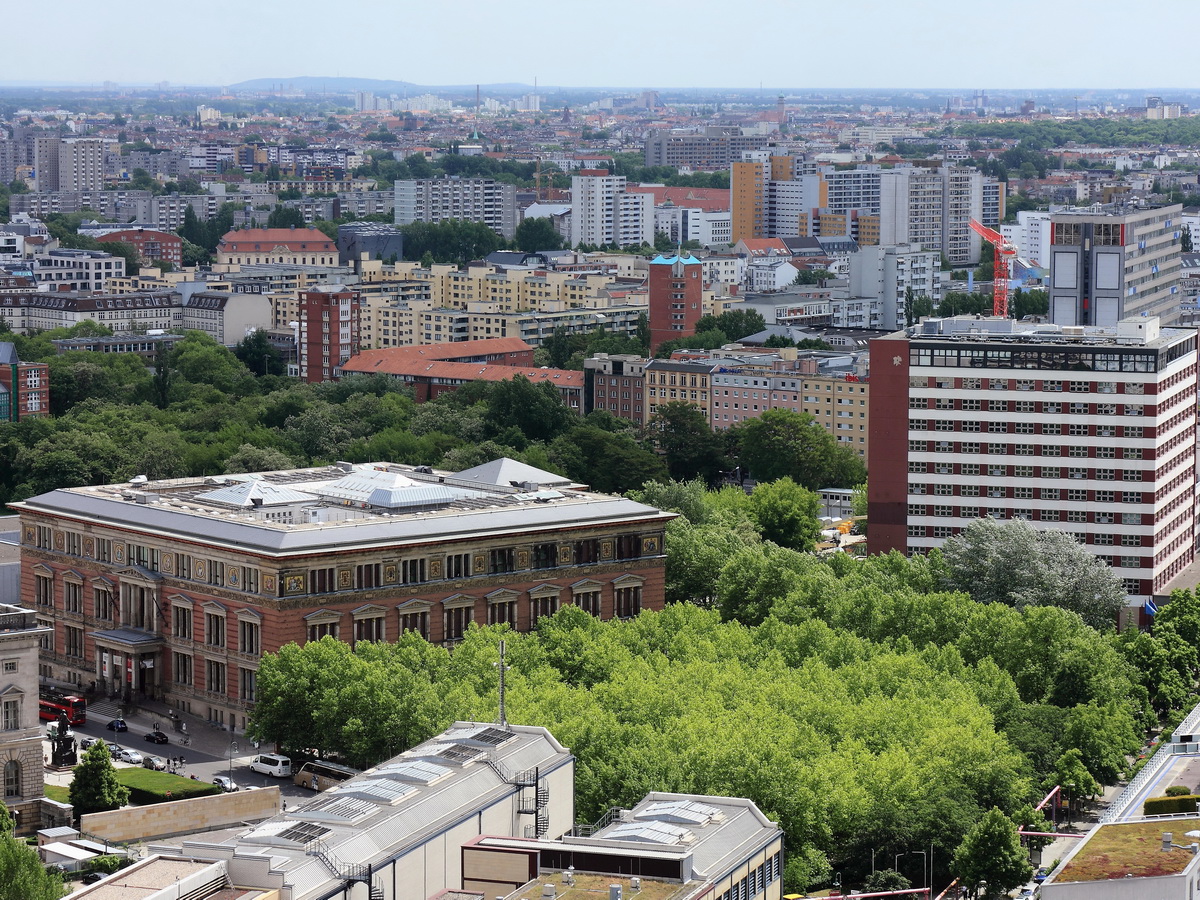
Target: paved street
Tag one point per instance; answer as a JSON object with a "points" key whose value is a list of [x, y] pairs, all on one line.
{"points": [[207, 754]]}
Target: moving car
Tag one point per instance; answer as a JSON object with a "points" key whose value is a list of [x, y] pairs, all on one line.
{"points": [[225, 783], [125, 754], [86, 742], [155, 762], [117, 725], [157, 737]]}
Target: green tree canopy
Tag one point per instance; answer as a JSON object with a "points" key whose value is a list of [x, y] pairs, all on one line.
{"points": [[95, 788], [991, 855], [536, 234], [1012, 562], [785, 444]]}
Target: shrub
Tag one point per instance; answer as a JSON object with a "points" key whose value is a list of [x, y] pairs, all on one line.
{"points": [[1157, 806], [1177, 790]]}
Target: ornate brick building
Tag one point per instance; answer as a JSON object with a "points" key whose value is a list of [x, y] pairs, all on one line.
{"points": [[176, 588]]}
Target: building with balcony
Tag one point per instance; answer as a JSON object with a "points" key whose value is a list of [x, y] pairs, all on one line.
{"points": [[484, 200]]}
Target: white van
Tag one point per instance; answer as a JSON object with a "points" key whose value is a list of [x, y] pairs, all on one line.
{"points": [[272, 764]]}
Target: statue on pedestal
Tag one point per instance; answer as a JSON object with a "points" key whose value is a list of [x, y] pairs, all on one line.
{"points": [[62, 744]]}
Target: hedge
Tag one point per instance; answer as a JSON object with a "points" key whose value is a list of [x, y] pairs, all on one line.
{"points": [[1157, 806], [149, 786]]}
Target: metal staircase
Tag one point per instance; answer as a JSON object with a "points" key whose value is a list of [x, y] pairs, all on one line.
{"points": [[347, 872], [533, 796]]}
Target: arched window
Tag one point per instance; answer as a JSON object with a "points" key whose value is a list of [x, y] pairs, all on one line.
{"points": [[12, 778]]}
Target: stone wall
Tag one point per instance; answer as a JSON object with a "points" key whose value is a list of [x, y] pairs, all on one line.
{"points": [[182, 816]]}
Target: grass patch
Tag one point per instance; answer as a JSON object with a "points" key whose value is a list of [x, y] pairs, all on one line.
{"points": [[150, 786], [58, 793]]}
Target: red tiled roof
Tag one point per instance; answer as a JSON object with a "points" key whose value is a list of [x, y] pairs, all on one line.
{"points": [[454, 371], [310, 239], [706, 199], [371, 360]]}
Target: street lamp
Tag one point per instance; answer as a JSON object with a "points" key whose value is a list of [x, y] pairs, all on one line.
{"points": [[233, 748]]}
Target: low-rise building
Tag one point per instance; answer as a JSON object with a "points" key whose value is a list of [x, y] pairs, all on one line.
{"points": [[77, 270], [42, 310], [226, 318]]}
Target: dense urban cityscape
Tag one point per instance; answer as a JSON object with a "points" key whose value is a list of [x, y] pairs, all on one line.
{"points": [[526, 491]]}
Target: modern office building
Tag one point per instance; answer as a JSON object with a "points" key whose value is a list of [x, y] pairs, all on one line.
{"points": [[176, 588], [1089, 431], [1108, 264], [603, 213], [485, 200], [714, 149]]}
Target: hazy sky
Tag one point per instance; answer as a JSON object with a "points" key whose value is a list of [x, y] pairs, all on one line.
{"points": [[619, 43]]}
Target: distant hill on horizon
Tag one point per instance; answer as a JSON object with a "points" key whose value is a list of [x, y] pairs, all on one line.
{"points": [[348, 85]]}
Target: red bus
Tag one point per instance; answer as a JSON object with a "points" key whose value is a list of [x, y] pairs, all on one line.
{"points": [[53, 704]]}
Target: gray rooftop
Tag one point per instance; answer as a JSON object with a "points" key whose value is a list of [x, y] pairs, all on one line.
{"points": [[295, 512]]}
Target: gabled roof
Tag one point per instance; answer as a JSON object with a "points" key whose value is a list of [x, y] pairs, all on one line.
{"points": [[381, 360], [243, 241], [8, 354], [764, 246]]}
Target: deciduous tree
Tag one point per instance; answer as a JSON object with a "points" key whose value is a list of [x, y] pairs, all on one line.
{"points": [[95, 787], [991, 856]]}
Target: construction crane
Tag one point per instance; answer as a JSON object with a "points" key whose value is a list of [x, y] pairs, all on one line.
{"points": [[1001, 268]]}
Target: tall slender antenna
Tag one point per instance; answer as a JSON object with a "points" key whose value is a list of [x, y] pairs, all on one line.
{"points": [[502, 667]]}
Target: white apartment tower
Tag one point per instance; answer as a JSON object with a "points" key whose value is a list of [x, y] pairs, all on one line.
{"points": [[603, 212], [880, 279], [1085, 430], [484, 200]]}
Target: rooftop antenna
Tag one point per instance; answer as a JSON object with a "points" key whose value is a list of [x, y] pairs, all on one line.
{"points": [[502, 668]]}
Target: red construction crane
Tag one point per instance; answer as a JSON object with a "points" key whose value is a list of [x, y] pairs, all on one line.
{"points": [[1002, 268]]}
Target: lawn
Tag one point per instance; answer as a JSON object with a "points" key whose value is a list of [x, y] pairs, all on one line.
{"points": [[148, 786]]}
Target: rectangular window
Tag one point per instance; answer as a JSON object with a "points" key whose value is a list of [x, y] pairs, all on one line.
{"points": [[1106, 452], [501, 559], [249, 637], [321, 581], [43, 590], [412, 571], [214, 676], [589, 602], [973, 403], [1050, 493], [545, 556], [1132, 475], [183, 566], [74, 642], [587, 551], [248, 684], [73, 597], [326, 628], [629, 546], [10, 715], [1023, 427], [1076, 496], [103, 550], [629, 602], [1131, 540], [368, 629], [368, 576], [458, 565], [457, 620], [415, 621], [181, 622], [1131, 497], [970, 468], [214, 630], [970, 426], [1131, 562], [942, 490], [917, 531], [1051, 472], [969, 490]]}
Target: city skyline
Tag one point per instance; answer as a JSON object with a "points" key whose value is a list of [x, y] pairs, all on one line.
{"points": [[701, 44]]}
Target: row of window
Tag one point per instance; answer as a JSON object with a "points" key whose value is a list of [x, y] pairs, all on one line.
{"points": [[755, 881], [1025, 493], [946, 511]]}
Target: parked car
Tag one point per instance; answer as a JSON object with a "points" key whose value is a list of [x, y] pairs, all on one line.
{"points": [[155, 762], [126, 754], [157, 737], [225, 783], [117, 725], [272, 764]]}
